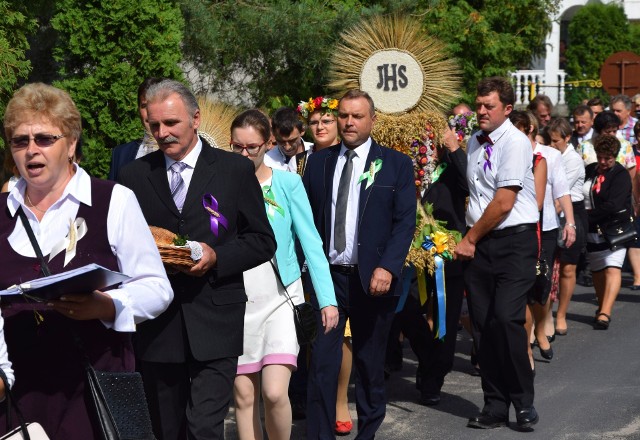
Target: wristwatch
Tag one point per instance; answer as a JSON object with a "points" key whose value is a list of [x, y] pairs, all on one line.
{"points": [[571, 225]]}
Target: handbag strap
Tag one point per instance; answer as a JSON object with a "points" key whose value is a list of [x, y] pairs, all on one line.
{"points": [[279, 278], [10, 402], [32, 238], [45, 271]]}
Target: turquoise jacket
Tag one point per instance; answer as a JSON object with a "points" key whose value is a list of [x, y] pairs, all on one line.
{"points": [[289, 217]]}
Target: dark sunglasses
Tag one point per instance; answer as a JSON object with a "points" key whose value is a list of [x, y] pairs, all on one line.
{"points": [[41, 140]]}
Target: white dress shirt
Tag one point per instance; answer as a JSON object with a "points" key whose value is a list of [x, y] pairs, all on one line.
{"points": [[189, 160], [350, 253], [276, 159], [511, 165], [586, 137], [148, 292], [574, 169], [556, 187]]}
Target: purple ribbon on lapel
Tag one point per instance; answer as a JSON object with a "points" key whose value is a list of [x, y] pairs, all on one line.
{"points": [[211, 205], [488, 149]]}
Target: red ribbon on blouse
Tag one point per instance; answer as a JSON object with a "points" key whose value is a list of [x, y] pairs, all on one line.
{"points": [[598, 183]]}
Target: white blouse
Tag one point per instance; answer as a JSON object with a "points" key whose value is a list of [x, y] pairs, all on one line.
{"points": [[148, 293]]}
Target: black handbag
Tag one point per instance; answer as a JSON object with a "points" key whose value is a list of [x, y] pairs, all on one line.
{"points": [[542, 285], [619, 231], [303, 315], [119, 403], [118, 398]]}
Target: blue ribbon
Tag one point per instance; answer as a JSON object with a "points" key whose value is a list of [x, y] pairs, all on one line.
{"points": [[441, 298], [407, 276]]}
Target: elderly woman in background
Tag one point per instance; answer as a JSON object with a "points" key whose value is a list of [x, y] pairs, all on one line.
{"points": [[560, 133], [606, 123], [607, 196], [270, 345], [43, 126]]}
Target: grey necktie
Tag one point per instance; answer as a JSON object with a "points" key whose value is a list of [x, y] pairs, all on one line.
{"points": [[339, 238], [178, 188]]}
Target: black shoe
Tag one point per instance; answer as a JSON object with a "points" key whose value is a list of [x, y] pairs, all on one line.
{"points": [[601, 324], [526, 418], [429, 399], [487, 421], [551, 338], [547, 354], [298, 410]]}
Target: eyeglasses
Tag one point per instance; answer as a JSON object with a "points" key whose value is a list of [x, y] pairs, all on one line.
{"points": [[251, 149], [41, 140], [324, 122]]}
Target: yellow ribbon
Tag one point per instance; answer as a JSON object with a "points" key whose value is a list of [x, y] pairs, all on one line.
{"points": [[77, 230]]}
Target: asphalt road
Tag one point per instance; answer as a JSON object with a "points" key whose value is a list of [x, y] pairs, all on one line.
{"points": [[590, 390]]}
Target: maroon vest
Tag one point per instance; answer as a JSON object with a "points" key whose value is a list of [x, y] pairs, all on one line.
{"points": [[49, 374]]}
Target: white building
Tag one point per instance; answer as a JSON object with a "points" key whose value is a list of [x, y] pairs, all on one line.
{"points": [[546, 72]]}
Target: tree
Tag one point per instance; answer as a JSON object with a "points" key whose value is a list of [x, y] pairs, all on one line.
{"points": [[104, 49], [257, 52], [263, 51], [586, 54], [491, 37], [14, 29]]}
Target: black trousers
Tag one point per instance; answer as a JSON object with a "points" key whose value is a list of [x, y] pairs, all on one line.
{"points": [[370, 320], [497, 280], [189, 400], [435, 356]]}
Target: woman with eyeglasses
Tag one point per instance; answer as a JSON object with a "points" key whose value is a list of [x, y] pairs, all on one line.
{"points": [[76, 220], [270, 344], [321, 115]]}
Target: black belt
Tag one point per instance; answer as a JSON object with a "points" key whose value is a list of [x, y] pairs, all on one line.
{"points": [[499, 233], [578, 205], [345, 269]]}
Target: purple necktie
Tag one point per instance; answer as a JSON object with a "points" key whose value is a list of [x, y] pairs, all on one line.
{"points": [[178, 188]]}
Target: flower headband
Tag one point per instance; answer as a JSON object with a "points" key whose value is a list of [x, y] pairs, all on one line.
{"points": [[327, 105]]}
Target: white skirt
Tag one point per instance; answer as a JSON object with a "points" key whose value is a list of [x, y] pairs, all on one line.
{"points": [[269, 330], [600, 260]]}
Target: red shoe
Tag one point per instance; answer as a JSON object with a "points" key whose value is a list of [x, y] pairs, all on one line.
{"points": [[344, 428]]}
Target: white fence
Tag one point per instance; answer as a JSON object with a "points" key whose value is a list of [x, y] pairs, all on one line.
{"points": [[528, 83]]}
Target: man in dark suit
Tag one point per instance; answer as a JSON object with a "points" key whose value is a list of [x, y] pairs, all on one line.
{"points": [[364, 206], [189, 353], [125, 153], [582, 125]]}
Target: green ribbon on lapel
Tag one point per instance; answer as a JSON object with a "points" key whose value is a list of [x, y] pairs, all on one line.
{"points": [[270, 200], [371, 174], [438, 172]]}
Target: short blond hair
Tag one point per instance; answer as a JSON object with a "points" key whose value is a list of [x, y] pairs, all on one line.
{"points": [[39, 100]]}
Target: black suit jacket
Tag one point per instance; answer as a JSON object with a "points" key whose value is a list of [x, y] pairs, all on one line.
{"points": [[386, 214], [122, 155], [206, 318], [613, 197]]}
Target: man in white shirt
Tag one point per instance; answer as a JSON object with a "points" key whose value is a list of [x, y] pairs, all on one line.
{"points": [[291, 151], [500, 247]]}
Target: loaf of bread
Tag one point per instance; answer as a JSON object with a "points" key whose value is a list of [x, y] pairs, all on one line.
{"points": [[162, 236]]}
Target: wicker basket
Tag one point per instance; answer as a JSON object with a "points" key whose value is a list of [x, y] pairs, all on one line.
{"points": [[170, 253]]}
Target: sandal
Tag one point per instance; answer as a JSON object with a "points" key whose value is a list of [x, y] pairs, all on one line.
{"points": [[601, 324]]}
